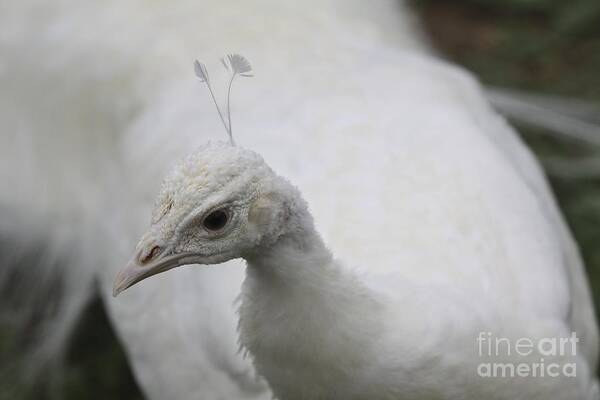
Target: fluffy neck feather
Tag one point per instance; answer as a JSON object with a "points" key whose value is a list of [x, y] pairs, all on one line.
{"points": [[307, 321]]}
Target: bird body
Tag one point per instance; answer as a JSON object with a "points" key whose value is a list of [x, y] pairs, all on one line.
{"points": [[369, 327], [436, 221]]}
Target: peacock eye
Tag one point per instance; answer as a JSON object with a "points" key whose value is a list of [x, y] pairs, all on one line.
{"points": [[216, 220]]}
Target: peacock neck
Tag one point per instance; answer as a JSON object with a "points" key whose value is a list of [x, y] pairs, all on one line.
{"points": [[299, 270], [306, 319], [295, 259], [298, 263]]}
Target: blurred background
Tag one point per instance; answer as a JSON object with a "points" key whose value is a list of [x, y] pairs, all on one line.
{"points": [[546, 47]]}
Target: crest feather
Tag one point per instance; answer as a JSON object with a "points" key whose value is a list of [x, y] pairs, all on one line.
{"points": [[237, 65]]}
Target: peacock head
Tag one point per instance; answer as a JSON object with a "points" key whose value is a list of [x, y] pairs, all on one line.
{"points": [[221, 202]]}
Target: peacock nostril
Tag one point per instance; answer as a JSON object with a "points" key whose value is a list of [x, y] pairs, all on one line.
{"points": [[154, 251]]}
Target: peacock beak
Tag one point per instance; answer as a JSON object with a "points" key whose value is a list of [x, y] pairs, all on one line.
{"points": [[148, 261]]}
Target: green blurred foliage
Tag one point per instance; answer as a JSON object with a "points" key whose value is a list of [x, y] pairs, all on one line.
{"points": [[94, 367], [544, 46]]}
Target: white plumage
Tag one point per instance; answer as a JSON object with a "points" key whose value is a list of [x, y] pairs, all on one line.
{"points": [[403, 164]]}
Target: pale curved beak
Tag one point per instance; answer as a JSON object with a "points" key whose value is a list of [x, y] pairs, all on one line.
{"points": [[139, 268]]}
